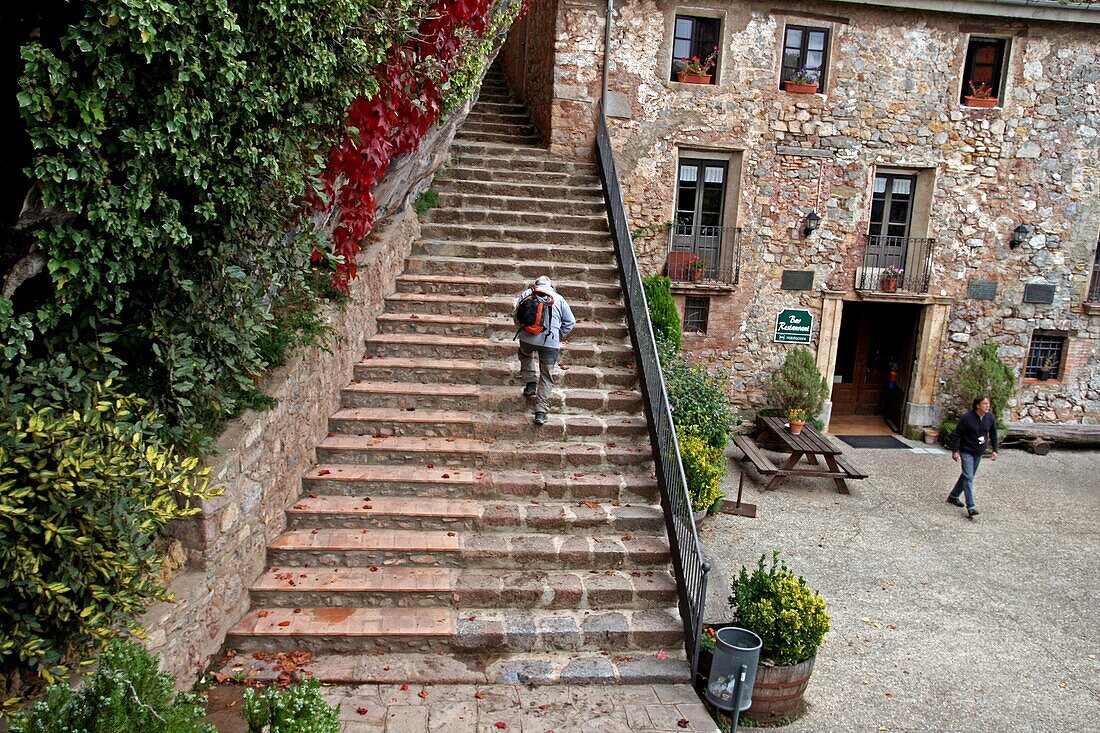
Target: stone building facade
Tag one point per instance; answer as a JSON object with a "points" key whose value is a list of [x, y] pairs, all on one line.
{"points": [[801, 203]]}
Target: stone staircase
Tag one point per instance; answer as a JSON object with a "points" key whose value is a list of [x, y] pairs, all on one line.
{"points": [[444, 538]]}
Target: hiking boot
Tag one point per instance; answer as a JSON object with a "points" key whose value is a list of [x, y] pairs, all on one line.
{"points": [[530, 388], [540, 418], [971, 513], [955, 500]]}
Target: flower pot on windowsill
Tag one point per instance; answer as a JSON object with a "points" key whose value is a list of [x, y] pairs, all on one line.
{"points": [[686, 77], [889, 285], [979, 101], [697, 275], [796, 88]]}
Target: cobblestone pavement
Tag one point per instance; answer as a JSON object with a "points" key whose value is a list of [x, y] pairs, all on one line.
{"points": [[517, 709], [939, 623]]}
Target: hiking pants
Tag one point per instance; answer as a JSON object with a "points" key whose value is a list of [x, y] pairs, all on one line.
{"points": [[547, 359]]}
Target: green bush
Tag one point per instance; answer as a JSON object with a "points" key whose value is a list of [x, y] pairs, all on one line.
{"points": [[704, 469], [983, 372], [85, 487], [125, 695], [662, 310], [797, 384], [299, 708], [781, 609], [698, 399]]}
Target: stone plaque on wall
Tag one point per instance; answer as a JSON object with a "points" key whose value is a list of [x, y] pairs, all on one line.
{"points": [[797, 280], [982, 290], [1038, 293]]}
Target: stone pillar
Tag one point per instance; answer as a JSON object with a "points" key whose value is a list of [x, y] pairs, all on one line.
{"points": [[832, 307], [921, 408]]}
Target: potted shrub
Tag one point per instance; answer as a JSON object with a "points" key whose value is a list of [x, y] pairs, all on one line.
{"points": [[981, 95], [1046, 369], [697, 267], [694, 70], [791, 619], [890, 277], [704, 469], [797, 385], [803, 81]]}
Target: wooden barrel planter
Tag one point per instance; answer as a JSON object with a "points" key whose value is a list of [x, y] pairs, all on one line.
{"points": [[779, 691]]}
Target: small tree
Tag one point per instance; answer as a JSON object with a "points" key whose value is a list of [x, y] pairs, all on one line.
{"points": [[798, 384], [662, 310], [983, 372]]}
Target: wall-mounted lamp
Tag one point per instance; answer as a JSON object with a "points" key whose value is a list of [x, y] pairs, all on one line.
{"points": [[812, 220], [1020, 235]]}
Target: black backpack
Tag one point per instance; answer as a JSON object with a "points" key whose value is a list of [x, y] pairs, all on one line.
{"points": [[533, 313]]}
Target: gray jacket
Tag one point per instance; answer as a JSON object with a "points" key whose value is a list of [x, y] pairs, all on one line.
{"points": [[561, 320]]}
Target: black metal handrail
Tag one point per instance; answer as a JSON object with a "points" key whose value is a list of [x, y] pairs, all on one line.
{"points": [[908, 257], [687, 552], [700, 253]]}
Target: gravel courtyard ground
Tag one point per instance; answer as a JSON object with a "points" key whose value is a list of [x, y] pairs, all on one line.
{"points": [[939, 623]]}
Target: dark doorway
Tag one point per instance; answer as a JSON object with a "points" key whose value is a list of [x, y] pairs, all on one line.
{"points": [[874, 360]]}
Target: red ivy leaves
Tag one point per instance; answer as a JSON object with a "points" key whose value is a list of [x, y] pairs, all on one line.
{"points": [[392, 123]]}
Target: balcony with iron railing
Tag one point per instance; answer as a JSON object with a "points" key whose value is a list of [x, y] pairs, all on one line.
{"points": [[706, 255], [1094, 285], [895, 265]]}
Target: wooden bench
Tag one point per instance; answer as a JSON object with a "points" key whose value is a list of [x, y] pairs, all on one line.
{"points": [[753, 453], [849, 467]]}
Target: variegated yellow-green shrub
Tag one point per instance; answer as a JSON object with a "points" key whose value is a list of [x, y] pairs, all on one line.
{"points": [[781, 609], [704, 469], [85, 488]]}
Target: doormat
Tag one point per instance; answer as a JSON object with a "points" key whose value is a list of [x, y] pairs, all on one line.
{"points": [[873, 441]]}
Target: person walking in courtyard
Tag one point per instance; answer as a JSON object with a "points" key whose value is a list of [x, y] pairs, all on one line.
{"points": [[976, 431], [544, 320]]}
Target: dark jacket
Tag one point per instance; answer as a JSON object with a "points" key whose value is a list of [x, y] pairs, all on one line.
{"points": [[973, 433]]}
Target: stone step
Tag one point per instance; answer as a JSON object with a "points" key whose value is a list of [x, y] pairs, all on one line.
{"points": [[440, 629], [515, 175], [485, 397], [413, 345], [337, 547], [638, 667], [517, 219], [603, 255], [509, 270], [589, 193], [453, 304], [525, 160], [504, 137], [600, 486], [462, 285], [480, 454], [400, 422], [488, 325], [489, 106], [517, 116], [303, 587], [443, 513], [473, 371], [505, 155], [519, 128], [573, 207]]}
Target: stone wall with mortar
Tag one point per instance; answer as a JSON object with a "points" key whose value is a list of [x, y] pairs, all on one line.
{"points": [[891, 100], [527, 59], [261, 456]]}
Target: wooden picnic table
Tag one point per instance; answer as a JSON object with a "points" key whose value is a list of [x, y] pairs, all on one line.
{"points": [[808, 444]]}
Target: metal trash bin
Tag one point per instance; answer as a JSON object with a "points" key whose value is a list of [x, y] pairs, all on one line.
{"points": [[733, 648]]}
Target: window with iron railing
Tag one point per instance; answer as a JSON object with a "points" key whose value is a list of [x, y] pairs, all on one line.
{"points": [[1045, 356], [1094, 284], [696, 314]]}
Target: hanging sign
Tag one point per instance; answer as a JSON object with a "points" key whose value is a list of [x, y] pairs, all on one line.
{"points": [[793, 326]]}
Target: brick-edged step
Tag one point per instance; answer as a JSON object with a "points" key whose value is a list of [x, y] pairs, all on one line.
{"points": [[524, 271], [586, 206], [629, 667], [484, 397], [459, 482], [590, 192], [516, 250], [303, 587], [485, 326], [474, 305], [584, 353], [513, 175], [461, 285], [507, 152], [382, 547], [399, 421], [519, 116], [430, 628], [443, 513], [477, 453], [473, 371], [528, 139], [514, 128], [491, 104]]}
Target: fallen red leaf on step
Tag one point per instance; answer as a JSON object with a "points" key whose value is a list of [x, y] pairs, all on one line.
{"points": [[220, 677], [374, 568], [422, 694], [683, 722], [405, 687], [446, 475], [297, 610], [662, 655], [324, 472], [500, 724], [479, 695], [362, 711], [431, 465], [284, 623], [313, 495], [262, 614]]}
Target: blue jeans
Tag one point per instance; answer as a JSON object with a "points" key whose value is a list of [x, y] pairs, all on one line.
{"points": [[965, 484]]}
